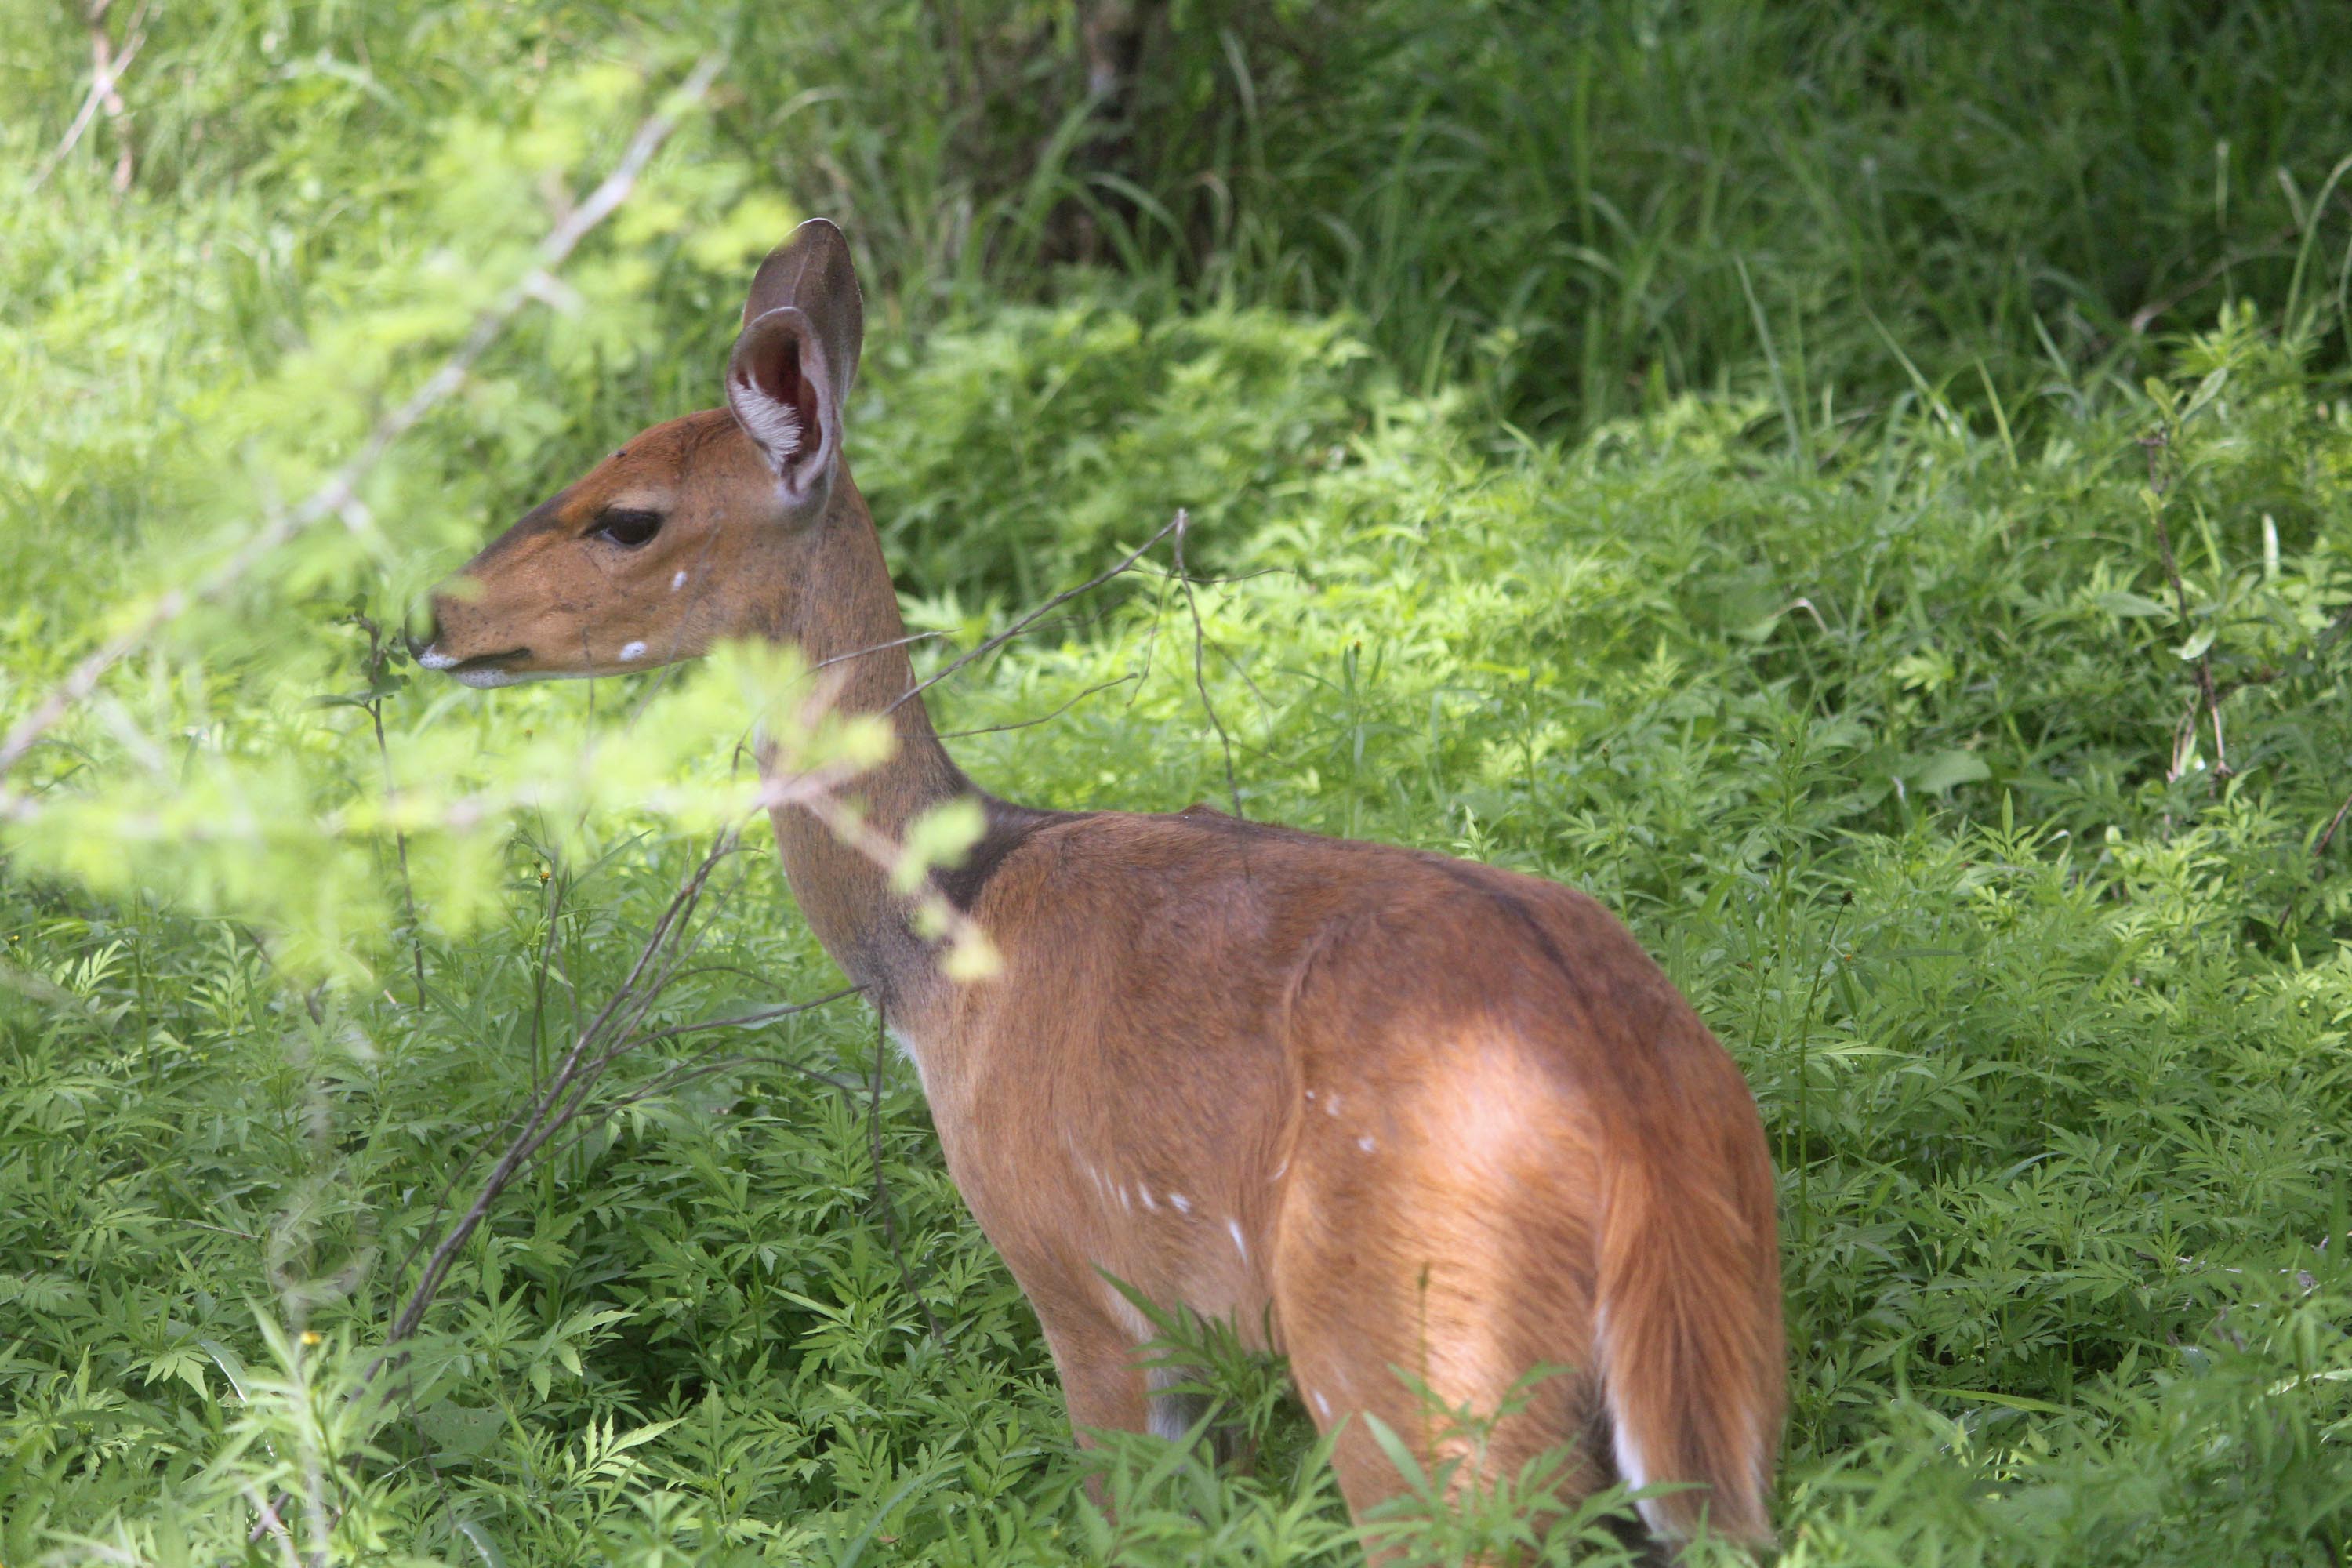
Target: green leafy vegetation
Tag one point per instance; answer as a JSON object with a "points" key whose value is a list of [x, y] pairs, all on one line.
{"points": [[1863, 490]]}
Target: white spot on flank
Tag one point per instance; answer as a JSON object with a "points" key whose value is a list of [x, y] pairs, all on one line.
{"points": [[1364, 1143], [1183, 1204], [1278, 1170], [678, 581], [632, 651], [1311, 1094], [1331, 1106], [1125, 1202], [1148, 1202], [1323, 1404], [1239, 1245]]}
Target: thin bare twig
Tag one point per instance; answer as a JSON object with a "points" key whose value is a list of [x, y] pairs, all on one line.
{"points": [[2333, 824], [613, 1031], [1026, 622], [106, 68], [689, 1072], [1041, 718], [702, 1067], [2276, 245], [564, 1099], [875, 647], [2159, 441], [2318, 852], [339, 495], [607, 1035], [752, 1020], [1024, 630], [1200, 671], [1159, 611], [465, 1167], [266, 1512]]}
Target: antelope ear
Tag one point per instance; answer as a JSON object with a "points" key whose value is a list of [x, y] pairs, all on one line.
{"points": [[804, 324], [778, 384]]}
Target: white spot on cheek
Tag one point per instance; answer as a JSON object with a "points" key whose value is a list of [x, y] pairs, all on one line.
{"points": [[1323, 1404], [1183, 1204], [1278, 1170], [1234, 1226], [678, 581], [632, 651], [1365, 1144]]}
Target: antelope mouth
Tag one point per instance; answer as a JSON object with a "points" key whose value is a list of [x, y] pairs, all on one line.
{"points": [[481, 669], [482, 661]]}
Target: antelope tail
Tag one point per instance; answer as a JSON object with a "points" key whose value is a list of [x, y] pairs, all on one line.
{"points": [[1690, 1341]]}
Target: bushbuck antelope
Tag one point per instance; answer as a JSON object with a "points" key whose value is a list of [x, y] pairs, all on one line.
{"points": [[1419, 1120]]}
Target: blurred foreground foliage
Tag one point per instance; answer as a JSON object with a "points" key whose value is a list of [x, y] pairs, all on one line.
{"points": [[1780, 555]]}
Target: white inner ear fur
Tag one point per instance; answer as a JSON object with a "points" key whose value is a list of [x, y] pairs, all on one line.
{"points": [[775, 425]]}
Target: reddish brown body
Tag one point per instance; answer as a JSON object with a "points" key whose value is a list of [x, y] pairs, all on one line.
{"points": [[1423, 1120]]}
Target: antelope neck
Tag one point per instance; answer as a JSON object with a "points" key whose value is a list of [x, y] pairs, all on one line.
{"points": [[843, 608]]}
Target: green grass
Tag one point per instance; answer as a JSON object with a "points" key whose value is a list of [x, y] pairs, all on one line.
{"points": [[1575, 214], [1603, 477]]}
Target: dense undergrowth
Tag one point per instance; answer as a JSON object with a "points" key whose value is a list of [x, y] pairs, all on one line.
{"points": [[1832, 597]]}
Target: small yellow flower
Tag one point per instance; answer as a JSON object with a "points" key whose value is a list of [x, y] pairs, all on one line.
{"points": [[310, 1336], [543, 873]]}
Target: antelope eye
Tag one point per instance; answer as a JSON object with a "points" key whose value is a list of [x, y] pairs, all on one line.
{"points": [[628, 528]]}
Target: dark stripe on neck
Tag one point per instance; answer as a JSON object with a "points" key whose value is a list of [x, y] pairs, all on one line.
{"points": [[1009, 828]]}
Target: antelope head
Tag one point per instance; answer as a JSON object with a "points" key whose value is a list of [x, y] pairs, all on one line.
{"points": [[696, 529]]}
